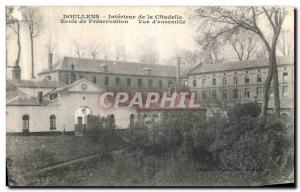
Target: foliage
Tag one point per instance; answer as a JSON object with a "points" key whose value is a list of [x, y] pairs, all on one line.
{"points": [[242, 110], [102, 129], [185, 149]]}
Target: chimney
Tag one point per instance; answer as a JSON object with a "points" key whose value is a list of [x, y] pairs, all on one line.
{"points": [[73, 75], [50, 57], [40, 97], [16, 73], [178, 71]]}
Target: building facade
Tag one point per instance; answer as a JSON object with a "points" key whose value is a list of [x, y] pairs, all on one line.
{"points": [[64, 95], [111, 74], [70, 108], [241, 82]]}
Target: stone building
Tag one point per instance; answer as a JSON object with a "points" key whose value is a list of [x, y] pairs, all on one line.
{"points": [[111, 74], [62, 97], [242, 81]]}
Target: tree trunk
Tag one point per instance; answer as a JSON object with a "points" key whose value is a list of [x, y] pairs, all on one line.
{"points": [[266, 90], [276, 89], [32, 57], [272, 74], [17, 62]]}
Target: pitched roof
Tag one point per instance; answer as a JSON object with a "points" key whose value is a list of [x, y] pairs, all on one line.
{"points": [[116, 67], [12, 93], [66, 87], [25, 100], [238, 65], [31, 83]]}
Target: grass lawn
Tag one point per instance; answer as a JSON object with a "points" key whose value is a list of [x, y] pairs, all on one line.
{"points": [[133, 169]]}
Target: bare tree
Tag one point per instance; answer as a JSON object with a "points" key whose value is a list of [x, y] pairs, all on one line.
{"points": [[93, 50], [260, 51], [50, 45], [8, 34], [210, 48], [149, 57], [188, 57], [106, 54], [77, 48], [231, 20], [243, 44], [14, 24], [120, 53], [285, 43], [33, 23]]}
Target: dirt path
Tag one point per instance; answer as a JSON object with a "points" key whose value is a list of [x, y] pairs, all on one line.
{"points": [[68, 163], [63, 164]]}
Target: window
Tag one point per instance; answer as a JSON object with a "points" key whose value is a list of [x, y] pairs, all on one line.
{"points": [[224, 94], [224, 81], [203, 95], [128, 82], [73, 77], [67, 78], [131, 120], [285, 91], [150, 83], [214, 81], [160, 83], [185, 83], [53, 96], [117, 82], [235, 93], [106, 81], [247, 93], [235, 80], [52, 122], [259, 91], [49, 77], [214, 94], [203, 82], [147, 71], [140, 83], [94, 79], [194, 83], [285, 77], [170, 83], [247, 79], [258, 78], [25, 123]]}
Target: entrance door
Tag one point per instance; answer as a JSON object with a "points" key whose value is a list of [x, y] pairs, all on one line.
{"points": [[25, 123], [79, 120]]}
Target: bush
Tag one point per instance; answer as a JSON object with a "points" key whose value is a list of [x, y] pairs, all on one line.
{"points": [[242, 110]]}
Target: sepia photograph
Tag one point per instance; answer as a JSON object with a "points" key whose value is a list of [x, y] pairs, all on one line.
{"points": [[150, 96]]}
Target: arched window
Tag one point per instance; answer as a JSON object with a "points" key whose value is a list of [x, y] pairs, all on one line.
{"points": [[25, 123], [52, 122], [131, 120], [111, 123]]}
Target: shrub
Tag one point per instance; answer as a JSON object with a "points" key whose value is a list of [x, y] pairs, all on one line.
{"points": [[242, 110]]}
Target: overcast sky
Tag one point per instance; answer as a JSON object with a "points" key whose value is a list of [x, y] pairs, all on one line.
{"points": [[135, 38]]}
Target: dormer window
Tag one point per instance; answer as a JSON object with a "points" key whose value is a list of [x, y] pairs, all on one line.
{"points": [[147, 71], [104, 68]]}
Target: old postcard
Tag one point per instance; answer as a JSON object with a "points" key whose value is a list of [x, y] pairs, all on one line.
{"points": [[150, 96]]}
